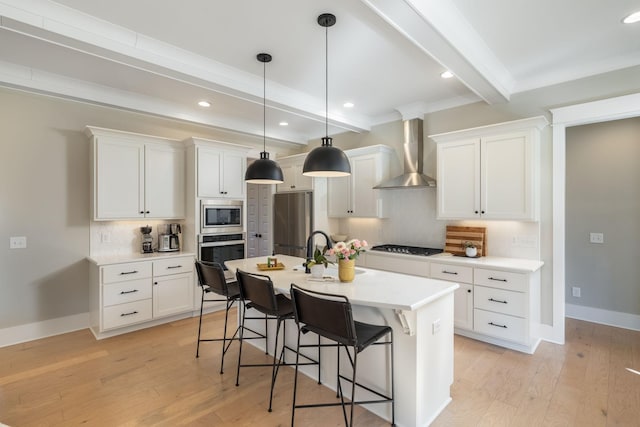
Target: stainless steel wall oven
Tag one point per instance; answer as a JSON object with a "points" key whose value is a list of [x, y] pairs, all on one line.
{"points": [[221, 247]]}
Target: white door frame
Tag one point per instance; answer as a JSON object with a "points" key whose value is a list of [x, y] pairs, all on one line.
{"points": [[622, 107]]}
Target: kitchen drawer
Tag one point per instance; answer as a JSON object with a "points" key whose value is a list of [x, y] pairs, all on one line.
{"points": [[502, 326], [454, 273], [500, 301], [128, 271], [121, 292], [162, 267], [120, 315], [501, 279]]}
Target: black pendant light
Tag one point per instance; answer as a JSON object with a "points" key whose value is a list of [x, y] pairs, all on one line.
{"points": [[263, 170], [326, 160]]}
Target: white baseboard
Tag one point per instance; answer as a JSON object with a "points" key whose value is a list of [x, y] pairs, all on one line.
{"points": [[605, 317], [47, 328]]}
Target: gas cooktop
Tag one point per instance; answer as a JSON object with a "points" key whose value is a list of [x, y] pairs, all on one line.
{"points": [[407, 250]]}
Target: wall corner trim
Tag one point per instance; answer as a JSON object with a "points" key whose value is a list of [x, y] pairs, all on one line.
{"points": [[604, 317]]}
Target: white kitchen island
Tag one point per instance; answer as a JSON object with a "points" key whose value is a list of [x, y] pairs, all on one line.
{"points": [[419, 310]]}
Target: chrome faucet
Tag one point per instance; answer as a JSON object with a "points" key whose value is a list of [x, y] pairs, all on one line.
{"points": [[310, 248]]}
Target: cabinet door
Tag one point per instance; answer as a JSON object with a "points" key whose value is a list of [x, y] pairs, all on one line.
{"points": [[172, 294], [233, 168], [364, 178], [339, 197], [459, 179], [209, 162], [506, 182], [463, 307], [289, 175], [119, 179], [164, 181]]}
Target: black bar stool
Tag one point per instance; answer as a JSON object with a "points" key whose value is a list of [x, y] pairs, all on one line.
{"points": [[330, 316], [257, 292], [212, 281]]}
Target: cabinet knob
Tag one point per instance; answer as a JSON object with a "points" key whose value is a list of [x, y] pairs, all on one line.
{"points": [[293, 186], [147, 212], [482, 212], [476, 212], [155, 283], [468, 291], [141, 212]]}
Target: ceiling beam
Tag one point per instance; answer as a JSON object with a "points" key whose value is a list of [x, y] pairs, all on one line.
{"points": [[439, 29]]}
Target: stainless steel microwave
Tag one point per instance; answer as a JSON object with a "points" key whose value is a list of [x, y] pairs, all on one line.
{"points": [[221, 216]]}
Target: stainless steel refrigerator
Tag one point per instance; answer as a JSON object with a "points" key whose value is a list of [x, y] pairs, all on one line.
{"points": [[292, 222]]}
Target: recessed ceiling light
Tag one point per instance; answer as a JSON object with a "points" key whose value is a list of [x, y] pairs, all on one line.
{"points": [[348, 105], [204, 104], [446, 75], [634, 17], [283, 124]]}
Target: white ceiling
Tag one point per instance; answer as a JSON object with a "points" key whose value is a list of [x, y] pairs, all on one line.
{"points": [[385, 56]]}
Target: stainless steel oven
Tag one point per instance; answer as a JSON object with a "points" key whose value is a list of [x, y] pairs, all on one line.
{"points": [[221, 216], [221, 247]]}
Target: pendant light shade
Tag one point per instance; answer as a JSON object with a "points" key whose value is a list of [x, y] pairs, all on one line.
{"points": [[264, 170], [326, 160]]}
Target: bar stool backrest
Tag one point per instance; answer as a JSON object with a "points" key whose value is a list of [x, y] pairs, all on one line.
{"points": [[211, 275], [258, 289], [325, 314]]}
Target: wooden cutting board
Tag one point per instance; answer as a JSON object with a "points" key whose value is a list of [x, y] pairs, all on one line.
{"points": [[457, 236]]}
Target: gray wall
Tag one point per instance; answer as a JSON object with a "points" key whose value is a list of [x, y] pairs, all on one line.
{"points": [[44, 195], [603, 195]]}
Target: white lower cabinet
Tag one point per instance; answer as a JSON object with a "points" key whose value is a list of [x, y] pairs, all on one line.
{"points": [[500, 307], [172, 286], [124, 296]]}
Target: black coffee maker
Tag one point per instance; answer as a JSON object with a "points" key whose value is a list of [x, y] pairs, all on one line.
{"points": [[147, 240]]}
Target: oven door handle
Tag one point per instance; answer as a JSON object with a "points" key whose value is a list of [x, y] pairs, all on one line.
{"points": [[226, 243]]}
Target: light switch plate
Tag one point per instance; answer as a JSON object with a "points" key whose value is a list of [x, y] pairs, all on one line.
{"points": [[18, 242], [596, 237]]}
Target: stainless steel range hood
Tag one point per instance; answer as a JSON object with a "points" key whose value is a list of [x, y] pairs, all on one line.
{"points": [[413, 152]]}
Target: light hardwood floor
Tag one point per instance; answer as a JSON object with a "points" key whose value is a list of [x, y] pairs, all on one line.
{"points": [[151, 377]]}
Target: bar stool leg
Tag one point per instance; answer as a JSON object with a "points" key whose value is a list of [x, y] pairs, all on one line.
{"points": [[224, 335], [276, 362], [353, 384], [295, 379], [240, 349], [200, 325]]}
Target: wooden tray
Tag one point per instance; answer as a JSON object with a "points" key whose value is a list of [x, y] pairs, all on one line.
{"points": [[265, 267], [456, 236]]}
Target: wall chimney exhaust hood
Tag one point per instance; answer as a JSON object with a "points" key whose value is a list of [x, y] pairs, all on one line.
{"points": [[413, 152]]}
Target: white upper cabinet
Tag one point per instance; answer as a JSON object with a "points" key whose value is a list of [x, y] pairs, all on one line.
{"points": [[491, 172], [136, 176], [292, 171], [221, 171], [354, 196]]}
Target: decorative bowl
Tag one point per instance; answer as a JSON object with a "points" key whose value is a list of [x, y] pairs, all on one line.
{"points": [[338, 237]]}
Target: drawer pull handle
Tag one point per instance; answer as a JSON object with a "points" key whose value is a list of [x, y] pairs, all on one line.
{"points": [[174, 266], [129, 314], [499, 326], [128, 292], [497, 300], [128, 272], [497, 280], [449, 272]]}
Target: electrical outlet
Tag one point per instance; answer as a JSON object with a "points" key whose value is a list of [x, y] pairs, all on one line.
{"points": [[19, 242], [575, 291], [436, 326], [596, 237], [105, 237]]}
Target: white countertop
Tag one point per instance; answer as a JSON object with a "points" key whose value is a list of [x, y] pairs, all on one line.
{"points": [[374, 288], [506, 264], [133, 257]]}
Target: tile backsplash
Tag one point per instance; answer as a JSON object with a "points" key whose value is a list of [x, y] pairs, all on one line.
{"points": [[120, 237], [412, 221]]}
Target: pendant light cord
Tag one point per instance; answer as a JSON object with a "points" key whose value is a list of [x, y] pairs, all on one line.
{"points": [[326, 79], [264, 106]]}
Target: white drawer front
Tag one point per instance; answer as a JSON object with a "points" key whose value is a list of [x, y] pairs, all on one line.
{"points": [[128, 271], [500, 301], [455, 273], [501, 326], [501, 279], [121, 292], [176, 265], [116, 316]]}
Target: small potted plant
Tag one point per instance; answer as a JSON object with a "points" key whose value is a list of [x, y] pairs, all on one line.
{"points": [[470, 249], [318, 263]]}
